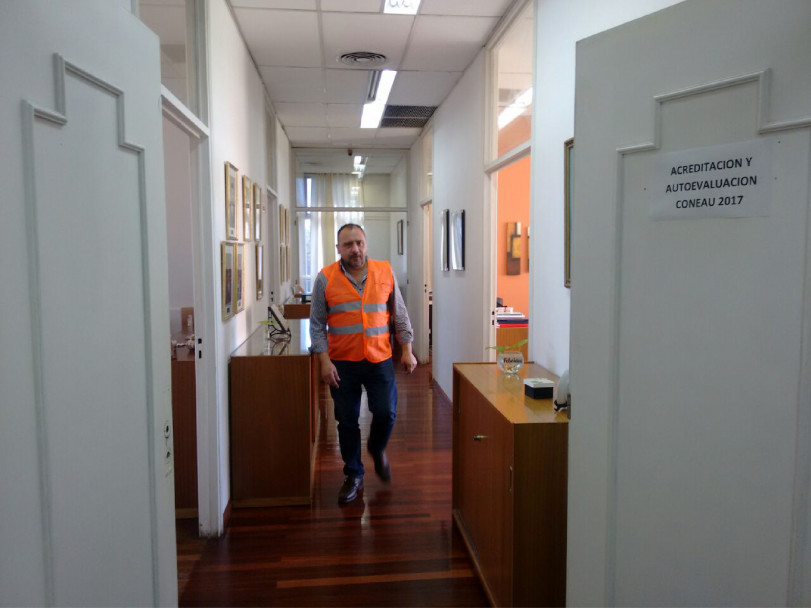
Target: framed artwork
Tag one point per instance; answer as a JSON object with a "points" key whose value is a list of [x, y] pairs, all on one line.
{"points": [[247, 208], [281, 264], [227, 279], [231, 175], [568, 166], [444, 227], [513, 248], [239, 278], [458, 240], [257, 213], [400, 229], [281, 224], [286, 226], [260, 272]]}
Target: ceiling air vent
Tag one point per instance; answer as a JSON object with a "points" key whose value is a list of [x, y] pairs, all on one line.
{"points": [[363, 59], [406, 116]]}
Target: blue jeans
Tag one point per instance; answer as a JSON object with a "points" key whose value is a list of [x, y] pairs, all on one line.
{"points": [[381, 390]]}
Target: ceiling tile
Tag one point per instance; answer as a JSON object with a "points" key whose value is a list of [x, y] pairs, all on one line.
{"points": [[302, 114], [473, 8], [376, 33], [396, 138], [281, 38], [293, 84], [343, 136], [346, 86], [447, 43], [422, 88], [304, 5], [299, 136], [351, 6], [344, 114]]}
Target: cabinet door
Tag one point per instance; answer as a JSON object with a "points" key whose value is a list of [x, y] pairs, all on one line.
{"points": [[485, 448]]}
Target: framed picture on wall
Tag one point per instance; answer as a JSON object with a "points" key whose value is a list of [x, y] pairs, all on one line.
{"points": [[260, 272], [286, 226], [227, 279], [281, 224], [444, 228], [239, 279], [231, 176], [568, 166], [247, 208], [400, 230], [257, 213], [458, 240], [282, 265]]}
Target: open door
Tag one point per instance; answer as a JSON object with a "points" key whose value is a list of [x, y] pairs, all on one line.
{"points": [[86, 481], [690, 442]]}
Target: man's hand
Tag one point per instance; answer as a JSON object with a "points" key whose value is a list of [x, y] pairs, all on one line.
{"points": [[408, 359], [328, 372]]}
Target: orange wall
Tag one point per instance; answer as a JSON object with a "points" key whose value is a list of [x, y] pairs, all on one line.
{"points": [[513, 206]]}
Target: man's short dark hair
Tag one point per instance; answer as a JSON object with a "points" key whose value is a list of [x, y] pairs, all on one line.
{"points": [[348, 226]]}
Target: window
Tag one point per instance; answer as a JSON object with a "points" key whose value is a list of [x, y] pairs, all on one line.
{"points": [[513, 64], [177, 23]]}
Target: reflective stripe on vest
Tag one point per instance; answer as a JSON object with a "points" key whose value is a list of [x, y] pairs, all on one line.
{"points": [[358, 326]]}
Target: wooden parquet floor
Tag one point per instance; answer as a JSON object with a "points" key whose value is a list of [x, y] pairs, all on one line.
{"points": [[393, 546]]}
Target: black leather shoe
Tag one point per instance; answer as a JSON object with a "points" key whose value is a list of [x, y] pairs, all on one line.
{"points": [[382, 466], [349, 491]]}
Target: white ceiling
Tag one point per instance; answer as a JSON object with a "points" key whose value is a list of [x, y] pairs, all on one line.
{"points": [[318, 100], [296, 45]]}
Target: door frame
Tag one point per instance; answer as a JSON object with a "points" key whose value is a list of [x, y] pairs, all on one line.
{"points": [[208, 480], [423, 353]]}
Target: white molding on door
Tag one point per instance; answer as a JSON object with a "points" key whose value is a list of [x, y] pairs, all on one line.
{"points": [[59, 117], [801, 499]]}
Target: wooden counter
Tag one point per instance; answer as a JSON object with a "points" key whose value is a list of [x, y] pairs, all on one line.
{"points": [[274, 396], [510, 456], [297, 310]]}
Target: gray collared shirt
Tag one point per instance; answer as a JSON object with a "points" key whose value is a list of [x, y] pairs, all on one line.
{"points": [[319, 310]]}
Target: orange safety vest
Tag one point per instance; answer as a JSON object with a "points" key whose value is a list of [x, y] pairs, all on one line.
{"points": [[358, 326]]}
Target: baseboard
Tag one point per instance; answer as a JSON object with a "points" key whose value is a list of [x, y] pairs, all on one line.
{"points": [[438, 389], [226, 516]]}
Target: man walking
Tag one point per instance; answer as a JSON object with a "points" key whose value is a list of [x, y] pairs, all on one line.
{"points": [[354, 302]]}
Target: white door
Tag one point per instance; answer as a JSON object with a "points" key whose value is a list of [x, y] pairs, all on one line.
{"points": [[86, 495], [690, 437]]}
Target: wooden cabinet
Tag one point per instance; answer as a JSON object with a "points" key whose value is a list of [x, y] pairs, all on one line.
{"points": [[274, 392], [184, 426], [509, 485]]}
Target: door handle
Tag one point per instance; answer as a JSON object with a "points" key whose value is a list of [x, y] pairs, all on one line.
{"points": [[479, 437]]}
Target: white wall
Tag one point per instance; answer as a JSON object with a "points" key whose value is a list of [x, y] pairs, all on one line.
{"points": [[286, 197], [178, 221], [416, 250], [237, 113], [460, 315], [559, 25], [397, 198]]}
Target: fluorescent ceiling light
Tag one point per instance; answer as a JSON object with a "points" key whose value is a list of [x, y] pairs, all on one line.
{"points": [[358, 160], [373, 111], [515, 109], [401, 7]]}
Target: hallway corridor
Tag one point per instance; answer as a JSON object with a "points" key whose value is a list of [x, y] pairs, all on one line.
{"points": [[393, 546]]}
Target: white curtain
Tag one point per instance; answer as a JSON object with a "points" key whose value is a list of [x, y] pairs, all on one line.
{"points": [[317, 229]]}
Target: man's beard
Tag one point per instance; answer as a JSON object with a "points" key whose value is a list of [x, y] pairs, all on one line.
{"points": [[355, 261]]}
